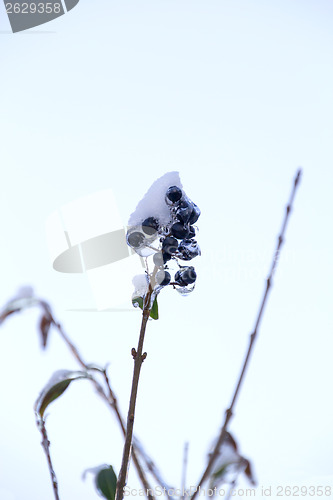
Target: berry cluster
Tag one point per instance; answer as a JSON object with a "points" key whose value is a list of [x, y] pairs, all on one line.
{"points": [[170, 242]]}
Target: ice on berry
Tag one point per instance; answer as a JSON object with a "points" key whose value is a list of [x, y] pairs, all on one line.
{"points": [[173, 195], [150, 226], [185, 290], [158, 259], [170, 245], [179, 230], [186, 276], [163, 278], [188, 249]]}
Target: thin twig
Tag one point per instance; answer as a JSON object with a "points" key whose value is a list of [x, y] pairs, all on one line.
{"points": [[131, 411], [253, 336], [46, 446], [139, 357]]}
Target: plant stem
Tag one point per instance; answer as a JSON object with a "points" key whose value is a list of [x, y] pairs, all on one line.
{"points": [[253, 336], [46, 446], [138, 360]]}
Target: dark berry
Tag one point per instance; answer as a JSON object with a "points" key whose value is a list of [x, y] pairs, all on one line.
{"points": [[188, 249], [170, 245], [195, 214], [135, 239], [184, 214], [163, 278], [179, 231], [191, 233], [185, 203], [158, 259], [166, 256], [185, 276], [174, 194], [150, 226]]}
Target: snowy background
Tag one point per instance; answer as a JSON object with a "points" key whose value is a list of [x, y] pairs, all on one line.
{"points": [[235, 96]]}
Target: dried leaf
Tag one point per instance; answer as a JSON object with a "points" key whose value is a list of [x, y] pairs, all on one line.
{"points": [[44, 325], [154, 310], [249, 473], [229, 464], [6, 313], [229, 439]]}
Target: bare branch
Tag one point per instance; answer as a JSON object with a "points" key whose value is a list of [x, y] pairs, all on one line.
{"points": [[138, 360], [253, 336], [46, 446]]}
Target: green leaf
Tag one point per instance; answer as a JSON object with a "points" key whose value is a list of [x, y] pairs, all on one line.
{"points": [[56, 387], [53, 394], [139, 301], [106, 483], [154, 310]]}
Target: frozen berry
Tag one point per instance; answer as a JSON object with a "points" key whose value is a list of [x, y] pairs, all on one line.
{"points": [[174, 194], [189, 249], [184, 214], [179, 231], [163, 278], [170, 245], [195, 214], [185, 276], [135, 239], [185, 203], [158, 259], [191, 233], [166, 256], [150, 226]]}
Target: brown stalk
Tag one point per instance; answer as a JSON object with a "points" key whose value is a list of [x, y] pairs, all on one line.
{"points": [[139, 357], [46, 446], [253, 336]]}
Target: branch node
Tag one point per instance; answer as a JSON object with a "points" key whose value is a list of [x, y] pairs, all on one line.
{"points": [[133, 352], [228, 412], [131, 417], [146, 313], [143, 357]]}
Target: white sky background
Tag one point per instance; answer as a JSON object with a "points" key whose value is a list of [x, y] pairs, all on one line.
{"points": [[235, 95]]}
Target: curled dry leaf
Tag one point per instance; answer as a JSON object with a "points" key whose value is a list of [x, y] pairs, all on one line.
{"points": [[44, 326], [229, 464]]}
